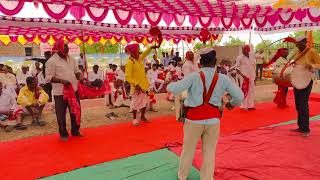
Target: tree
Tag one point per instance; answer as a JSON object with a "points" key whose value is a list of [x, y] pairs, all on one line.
{"points": [[315, 34], [199, 45], [234, 42], [263, 44], [98, 48]]}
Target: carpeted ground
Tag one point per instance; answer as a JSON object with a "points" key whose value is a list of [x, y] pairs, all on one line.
{"points": [[273, 153], [156, 165], [45, 155]]}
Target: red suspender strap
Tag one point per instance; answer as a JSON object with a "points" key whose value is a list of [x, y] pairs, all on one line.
{"points": [[203, 79], [207, 96], [212, 86]]}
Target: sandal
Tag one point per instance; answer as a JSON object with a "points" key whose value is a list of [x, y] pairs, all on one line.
{"points": [[20, 127], [38, 123], [9, 128]]}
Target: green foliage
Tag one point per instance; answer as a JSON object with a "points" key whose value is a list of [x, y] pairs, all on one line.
{"points": [[98, 48], [315, 34], [199, 45], [234, 42]]}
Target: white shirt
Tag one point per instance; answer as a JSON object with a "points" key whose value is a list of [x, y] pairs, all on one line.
{"points": [[188, 68], [152, 75], [41, 79], [121, 75], [62, 69], [92, 76], [21, 77], [8, 79], [7, 102], [81, 62], [246, 66], [259, 58]]}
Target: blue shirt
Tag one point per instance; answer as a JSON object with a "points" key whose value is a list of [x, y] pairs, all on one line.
{"points": [[193, 84]]}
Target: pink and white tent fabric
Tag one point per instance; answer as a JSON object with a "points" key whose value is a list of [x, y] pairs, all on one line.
{"points": [[177, 19]]}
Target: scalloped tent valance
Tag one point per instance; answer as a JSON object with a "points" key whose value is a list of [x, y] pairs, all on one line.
{"points": [[229, 13]]}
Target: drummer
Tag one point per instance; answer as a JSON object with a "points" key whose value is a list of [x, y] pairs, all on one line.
{"points": [[309, 58]]}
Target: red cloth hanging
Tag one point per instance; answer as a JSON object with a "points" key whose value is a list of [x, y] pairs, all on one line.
{"points": [[70, 96], [90, 92]]}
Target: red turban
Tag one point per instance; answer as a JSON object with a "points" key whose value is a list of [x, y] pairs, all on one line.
{"points": [[133, 50], [188, 54], [246, 48], [58, 46]]}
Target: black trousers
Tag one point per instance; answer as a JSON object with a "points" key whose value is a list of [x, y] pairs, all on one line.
{"points": [[48, 89], [259, 67], [61, 110], [302, 106]]}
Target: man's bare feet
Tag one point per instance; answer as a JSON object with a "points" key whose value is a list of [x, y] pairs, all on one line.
{"points": [[144, 119], [135, 122]]}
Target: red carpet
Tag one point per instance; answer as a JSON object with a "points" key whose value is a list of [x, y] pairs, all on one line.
{"points": [[276, 154], [44, 156]]}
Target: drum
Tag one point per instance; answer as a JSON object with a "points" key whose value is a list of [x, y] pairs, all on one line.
{"points": [[292, 76]]}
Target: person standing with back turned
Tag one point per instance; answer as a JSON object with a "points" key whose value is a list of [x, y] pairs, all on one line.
{"points": [[203, 114]]}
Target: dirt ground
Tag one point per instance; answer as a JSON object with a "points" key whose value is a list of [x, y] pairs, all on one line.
{"points": [[94, 111]]}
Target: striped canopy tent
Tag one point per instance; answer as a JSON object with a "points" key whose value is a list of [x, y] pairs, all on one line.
{"points": [[126, 20]]}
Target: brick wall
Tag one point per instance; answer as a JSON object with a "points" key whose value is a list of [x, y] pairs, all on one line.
{"points": [[16, 49]]}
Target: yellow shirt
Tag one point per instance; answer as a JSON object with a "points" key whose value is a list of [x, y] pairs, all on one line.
{"points": [[27, 97], [135, 72], [311, 57]]}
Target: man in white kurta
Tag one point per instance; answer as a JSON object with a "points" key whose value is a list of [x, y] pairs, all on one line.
{"points": [[8, 81], [22, 76], [246, 63]]}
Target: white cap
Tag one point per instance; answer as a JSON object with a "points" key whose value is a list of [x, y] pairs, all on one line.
{"points": [[299, 39]]}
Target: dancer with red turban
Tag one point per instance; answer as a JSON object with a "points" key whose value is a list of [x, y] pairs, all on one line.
{"points": [[135, 75], [246, 63]]}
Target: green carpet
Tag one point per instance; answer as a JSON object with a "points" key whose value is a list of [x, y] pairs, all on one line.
{"points": [[156, 165], [315, 118]]}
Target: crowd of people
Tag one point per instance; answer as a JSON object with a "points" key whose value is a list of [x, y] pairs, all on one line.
{"points": [[159, 73]]}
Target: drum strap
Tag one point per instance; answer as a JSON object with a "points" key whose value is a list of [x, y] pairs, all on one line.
{"points": [[288, 64]]}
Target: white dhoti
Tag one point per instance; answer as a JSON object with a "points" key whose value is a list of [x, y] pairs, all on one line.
{"points": [[139, 101], [248, 101], [178, 103]]}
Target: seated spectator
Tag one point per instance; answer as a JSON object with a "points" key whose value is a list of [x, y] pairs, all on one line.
{"points": [[22, 76], [221, 68], [33, 98], [83, 71], [179, 70], [95, 77], [235, 77], [112, 74], [119, 95], [8, 81], [9, 110], [171, 76], [155, 60], [121, 74], [38, 72], [152, 76]]}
